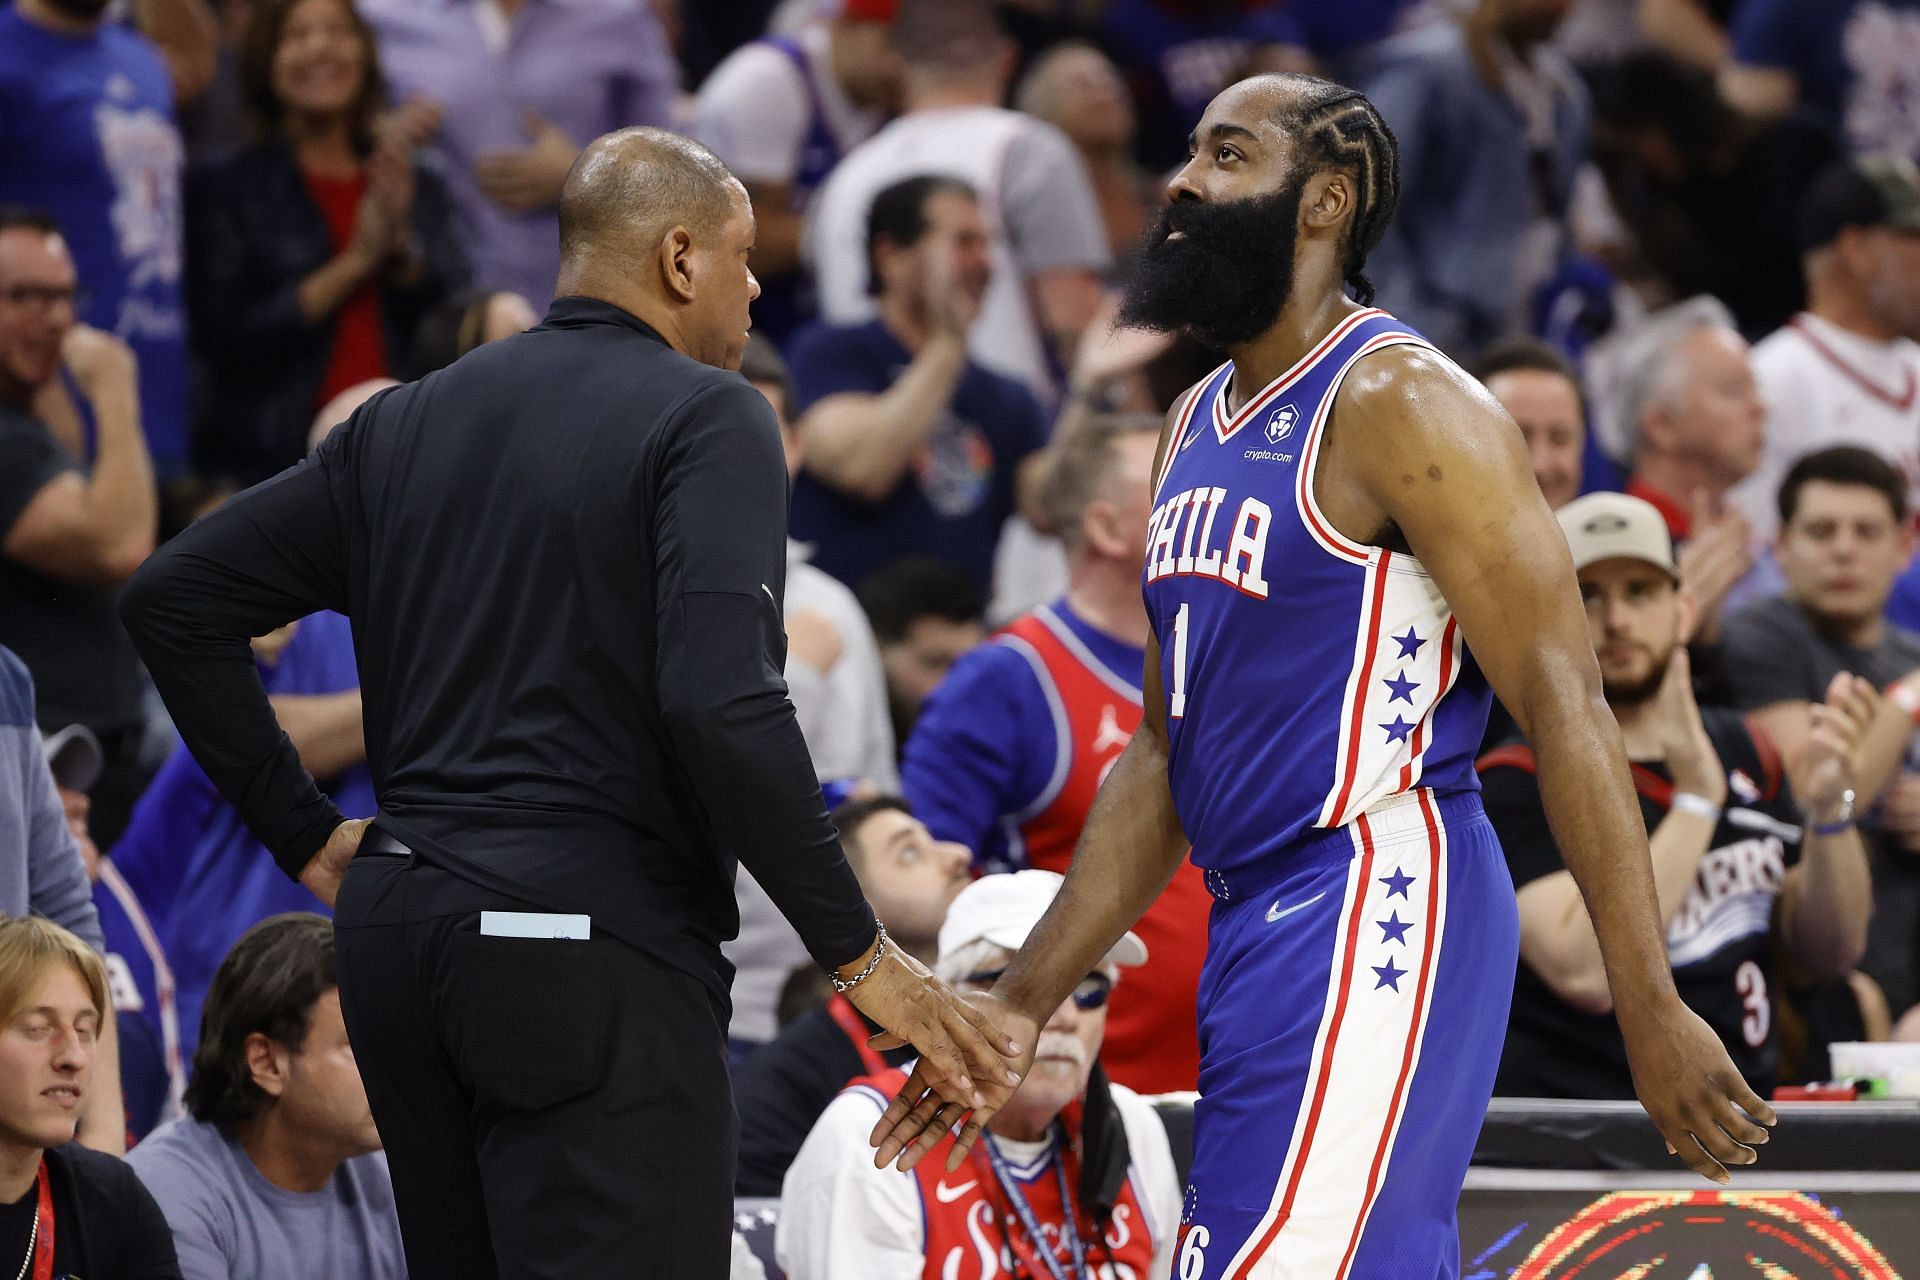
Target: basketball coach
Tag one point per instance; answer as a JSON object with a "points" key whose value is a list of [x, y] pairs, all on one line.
{"points": [[563, 558]]}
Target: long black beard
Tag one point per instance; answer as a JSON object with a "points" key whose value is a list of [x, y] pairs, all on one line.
{"points": [[1226, 279]]}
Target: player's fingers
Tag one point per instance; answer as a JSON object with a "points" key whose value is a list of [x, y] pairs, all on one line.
{"points": [[1695, 1157], [1739, 1091], [963, 1145], [910, 1128], [939, 1125], [886, 1040], [1712, 1121], [897, 1107]]}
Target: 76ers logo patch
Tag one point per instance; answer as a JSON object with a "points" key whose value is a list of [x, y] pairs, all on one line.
{"points": [[1281, 422]]}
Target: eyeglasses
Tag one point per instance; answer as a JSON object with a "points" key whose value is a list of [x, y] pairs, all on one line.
{"points": [[44, 297], [1090, 994]]}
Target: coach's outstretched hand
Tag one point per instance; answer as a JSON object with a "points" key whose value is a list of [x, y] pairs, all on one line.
{"points": [[1690, 1086], [920, 1116], [964, 1057]]}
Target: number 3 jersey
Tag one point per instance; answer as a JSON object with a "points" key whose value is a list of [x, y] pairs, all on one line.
{"points": [[1719, 942], [1308, 677]]}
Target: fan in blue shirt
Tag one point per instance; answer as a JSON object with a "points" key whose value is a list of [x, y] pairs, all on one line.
{"points": [[190, 858]]}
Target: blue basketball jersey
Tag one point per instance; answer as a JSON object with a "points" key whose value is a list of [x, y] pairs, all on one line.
{"points": [[1308, 677]]}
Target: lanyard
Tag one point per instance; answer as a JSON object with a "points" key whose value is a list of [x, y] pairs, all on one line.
{"points": [[841, 1010], [43, 1223], [1018, 1200]]}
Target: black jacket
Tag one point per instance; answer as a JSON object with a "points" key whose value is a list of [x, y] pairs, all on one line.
{"points": [[563, 556], [254, 232]]}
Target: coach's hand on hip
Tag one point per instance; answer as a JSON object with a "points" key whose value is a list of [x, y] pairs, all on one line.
{"points": [[965, 1057], [325, 870]]}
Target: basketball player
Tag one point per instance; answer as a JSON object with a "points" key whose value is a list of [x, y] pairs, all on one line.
{"points": [[1346, 549]]}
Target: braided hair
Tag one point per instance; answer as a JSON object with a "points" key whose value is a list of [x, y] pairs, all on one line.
{"points": [[1338, 128]]}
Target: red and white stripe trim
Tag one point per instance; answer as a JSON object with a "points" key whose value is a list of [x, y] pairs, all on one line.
{"points": [[1225, 429]]}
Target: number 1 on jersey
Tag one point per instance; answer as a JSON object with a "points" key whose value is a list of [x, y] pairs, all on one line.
{"points": [[1177, 706]]}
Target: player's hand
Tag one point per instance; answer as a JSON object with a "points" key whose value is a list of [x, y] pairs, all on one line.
{"points": [[326, 869], [1690, 1089], [920, 1116], [964, 1056]]}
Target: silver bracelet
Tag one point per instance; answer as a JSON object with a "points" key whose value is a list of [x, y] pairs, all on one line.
{"points": [[844, 985]]}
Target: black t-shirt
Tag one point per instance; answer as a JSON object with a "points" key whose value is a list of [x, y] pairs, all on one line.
{"points": [[83, 665], [106, 1224], [1775, 655], [782, 1089], [1718, 942]]}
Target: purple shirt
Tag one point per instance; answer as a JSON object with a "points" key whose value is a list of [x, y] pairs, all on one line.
{"points": [[586, 66]]}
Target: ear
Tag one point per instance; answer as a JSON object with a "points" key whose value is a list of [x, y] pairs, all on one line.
{"points": [[675, 257], [1100, 527], [267, 1063], [1687, 610], [1656, 426], [1328, 198]]}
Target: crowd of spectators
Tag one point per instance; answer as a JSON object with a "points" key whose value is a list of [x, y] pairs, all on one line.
{"points": [[1679, 240]]}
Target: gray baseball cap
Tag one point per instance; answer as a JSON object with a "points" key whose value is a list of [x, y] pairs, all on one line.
{"points": [[1617, 526], [74, 756]]}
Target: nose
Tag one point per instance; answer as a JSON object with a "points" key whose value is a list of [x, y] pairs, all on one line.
{"points": [[955, 856], [1613, 615], [753, 286], [69, 1054], [1181, 185], [1065, 1019]]}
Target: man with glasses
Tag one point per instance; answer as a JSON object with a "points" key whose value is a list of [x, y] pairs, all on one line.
{"points": [[70, 534], [1073, 1177]]}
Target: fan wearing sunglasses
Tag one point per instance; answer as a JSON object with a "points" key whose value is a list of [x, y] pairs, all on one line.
{"points": [[1074, 1177]]}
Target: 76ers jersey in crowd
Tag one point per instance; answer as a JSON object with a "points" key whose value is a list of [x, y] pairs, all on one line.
{"points": [[1308, 677]]}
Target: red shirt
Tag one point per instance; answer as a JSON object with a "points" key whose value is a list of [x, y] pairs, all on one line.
{"points": [[359, 345], [1679, 519], [1152, 1043]]}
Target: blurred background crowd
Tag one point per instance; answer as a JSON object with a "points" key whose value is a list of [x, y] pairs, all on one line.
{"points": [[1678, 239]]}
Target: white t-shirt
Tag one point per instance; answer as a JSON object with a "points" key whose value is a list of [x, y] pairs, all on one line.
{"points": [[841, 1217], [1825, 385], [1036, 198], [753, 111]]}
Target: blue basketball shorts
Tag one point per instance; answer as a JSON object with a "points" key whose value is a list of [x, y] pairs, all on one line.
{"points": [[1352, 1011]]}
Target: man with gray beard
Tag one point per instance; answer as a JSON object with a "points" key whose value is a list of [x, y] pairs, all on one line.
{"points": [[1072, 1176]]}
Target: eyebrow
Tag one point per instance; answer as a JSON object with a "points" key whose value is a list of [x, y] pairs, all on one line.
{"points": [[1219, 131]]}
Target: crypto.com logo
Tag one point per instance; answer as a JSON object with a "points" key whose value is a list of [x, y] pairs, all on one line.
{"points": [[1705, 1235]]}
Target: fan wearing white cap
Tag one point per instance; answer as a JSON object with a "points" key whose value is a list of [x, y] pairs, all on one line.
{"points": [[1078, 1164], [1727, 838]]}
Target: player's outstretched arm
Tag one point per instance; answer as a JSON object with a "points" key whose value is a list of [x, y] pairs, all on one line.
{"points": [[1128, 851], [1423, 448]]}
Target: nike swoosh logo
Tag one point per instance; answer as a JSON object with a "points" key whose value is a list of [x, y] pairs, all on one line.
{"points": [[947, 1195], [1275, 912], [769, 590]]}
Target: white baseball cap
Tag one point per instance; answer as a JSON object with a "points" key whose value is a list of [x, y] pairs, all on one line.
{"points": [[1003, 908], [1617, 526]]}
